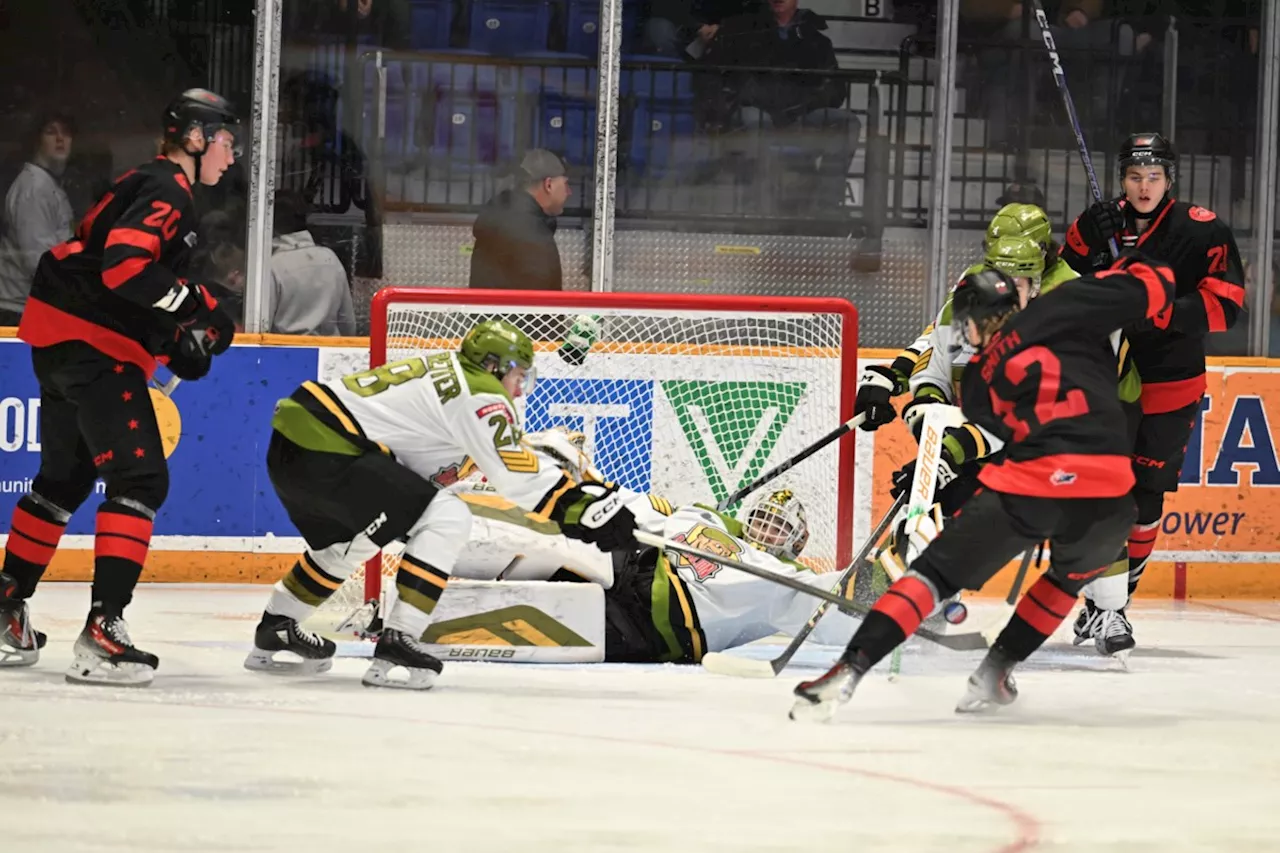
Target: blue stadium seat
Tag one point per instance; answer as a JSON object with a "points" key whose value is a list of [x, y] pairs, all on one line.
{"points": [[660, 138], [567, 125], [509, 27], [430, 23], [583, 27], [468, 114]]}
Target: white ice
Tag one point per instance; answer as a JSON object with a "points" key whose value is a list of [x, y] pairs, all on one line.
{"points": [[1180, 753]]}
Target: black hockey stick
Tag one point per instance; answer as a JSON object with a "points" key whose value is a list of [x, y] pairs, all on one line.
{"points": [[750, 667], [1060, 78], [957, 642], [784, 467]]}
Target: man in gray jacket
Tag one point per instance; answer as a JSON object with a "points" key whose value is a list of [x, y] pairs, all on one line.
{"points": [[516, 230], [309, 292], [36, 214]]}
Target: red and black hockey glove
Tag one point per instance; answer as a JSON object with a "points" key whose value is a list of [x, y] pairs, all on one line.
{"points": [[203, 327], [1102, 221]]}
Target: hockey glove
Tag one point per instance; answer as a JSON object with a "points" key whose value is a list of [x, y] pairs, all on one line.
{"points": [[950, 461], [189, 366], [876, 385], [1102, 221], [203, 327], [596, 514]]}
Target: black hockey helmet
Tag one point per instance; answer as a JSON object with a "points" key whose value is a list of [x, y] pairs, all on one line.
{"points": [[203, 109], [983, 296], [1148, 149]]}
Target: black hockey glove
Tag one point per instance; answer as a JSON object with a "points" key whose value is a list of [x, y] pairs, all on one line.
{"points": [[203, 327], [876, 385], [1102, 221], [595, 513], [950, 460], [189, 366]]}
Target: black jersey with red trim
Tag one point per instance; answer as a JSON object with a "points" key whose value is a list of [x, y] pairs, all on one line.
{"points": [[1046, 385], [115, 284], [1201, 249]]}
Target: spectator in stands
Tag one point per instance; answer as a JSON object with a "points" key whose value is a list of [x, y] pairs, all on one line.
{"points": [[515, 232], [684, 28], [309, 292], [36, 213], [798, 111], [218, 261]]}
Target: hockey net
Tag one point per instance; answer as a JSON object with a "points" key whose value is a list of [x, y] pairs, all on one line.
{"points": [[687, 397]]}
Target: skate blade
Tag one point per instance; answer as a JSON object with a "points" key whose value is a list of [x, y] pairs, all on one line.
{"points": [[977, 705], [260, 660], [101, 672], [12, 656], [806, 711], [380, 672]]}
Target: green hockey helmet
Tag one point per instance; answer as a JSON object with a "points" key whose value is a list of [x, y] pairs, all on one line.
{"points": [[1017, 257], [497, 346], [1020, 220]]}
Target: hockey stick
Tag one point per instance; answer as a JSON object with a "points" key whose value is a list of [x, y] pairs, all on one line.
{"points": [[1006, 610], [957, 642], [1060, 78], [784, 467], [724, 664]]}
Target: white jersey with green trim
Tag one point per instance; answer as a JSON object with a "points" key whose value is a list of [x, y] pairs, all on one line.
{"points": [[434, 412], [943, 358], [735, 608]]}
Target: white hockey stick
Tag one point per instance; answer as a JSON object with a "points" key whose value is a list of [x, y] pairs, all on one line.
{"points": [[725, 664]]}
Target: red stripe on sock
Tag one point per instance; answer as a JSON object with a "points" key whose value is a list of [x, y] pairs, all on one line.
{"points": [[124, 525], [36, 529], [109, 545], [907, 602], [1044, 606], [29, 550]]}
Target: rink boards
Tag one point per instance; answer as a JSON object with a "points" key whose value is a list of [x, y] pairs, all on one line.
{"points": [[1220, 536]]}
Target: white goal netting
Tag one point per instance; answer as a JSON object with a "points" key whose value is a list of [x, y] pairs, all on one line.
{"points": [[688, 399]]}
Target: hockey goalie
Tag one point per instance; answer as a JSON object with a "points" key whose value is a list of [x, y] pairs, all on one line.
{"points": [[658, 607]]}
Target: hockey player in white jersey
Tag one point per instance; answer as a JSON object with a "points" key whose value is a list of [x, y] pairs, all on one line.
{"points": [[353, 463], [657, 609]]}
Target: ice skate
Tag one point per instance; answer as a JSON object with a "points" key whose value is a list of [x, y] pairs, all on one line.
{"points": [[106, 655], [20, 644], [398, 650], [1113, 636], [819, 699], [1086, 623], [990, 686], [306, 653]]}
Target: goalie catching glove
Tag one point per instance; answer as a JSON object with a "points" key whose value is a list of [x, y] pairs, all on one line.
{"points": [[598, 514]]}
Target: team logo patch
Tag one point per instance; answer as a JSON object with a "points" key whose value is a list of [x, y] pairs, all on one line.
{"points": [[1062, 478], [1201, 214], [446, 477], [495, 409], [711, 540]]}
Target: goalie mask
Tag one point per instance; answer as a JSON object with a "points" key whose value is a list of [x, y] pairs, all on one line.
{"points": [[776, 525]]}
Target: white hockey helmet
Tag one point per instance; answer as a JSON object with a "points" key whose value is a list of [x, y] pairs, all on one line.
{"points": [[776, 524]]}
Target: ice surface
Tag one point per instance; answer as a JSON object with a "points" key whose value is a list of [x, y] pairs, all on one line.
{"points": [[1181, 753]]}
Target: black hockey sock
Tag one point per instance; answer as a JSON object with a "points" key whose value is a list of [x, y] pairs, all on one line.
{"points": [[894, 617], [1142, 541], [309, 583], [419, 585], [34, 534], [119, 551], [1037, 616]]}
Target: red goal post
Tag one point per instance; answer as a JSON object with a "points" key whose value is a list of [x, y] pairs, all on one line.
{"points": [[687, 396]]}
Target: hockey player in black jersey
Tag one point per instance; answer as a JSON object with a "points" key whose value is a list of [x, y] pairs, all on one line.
{"points": [[105, 308], [1042, 385], [1168, 350]]}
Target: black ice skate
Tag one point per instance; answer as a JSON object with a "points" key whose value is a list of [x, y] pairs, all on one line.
{"points": [[819, 699], [396, 649], [990, 686], [20, 644], [1113, 635], [1086, 622], [306, 653], [106, 655]]}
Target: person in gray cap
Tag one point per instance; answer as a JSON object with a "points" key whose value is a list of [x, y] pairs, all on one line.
{"points": [[515, 232]]}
